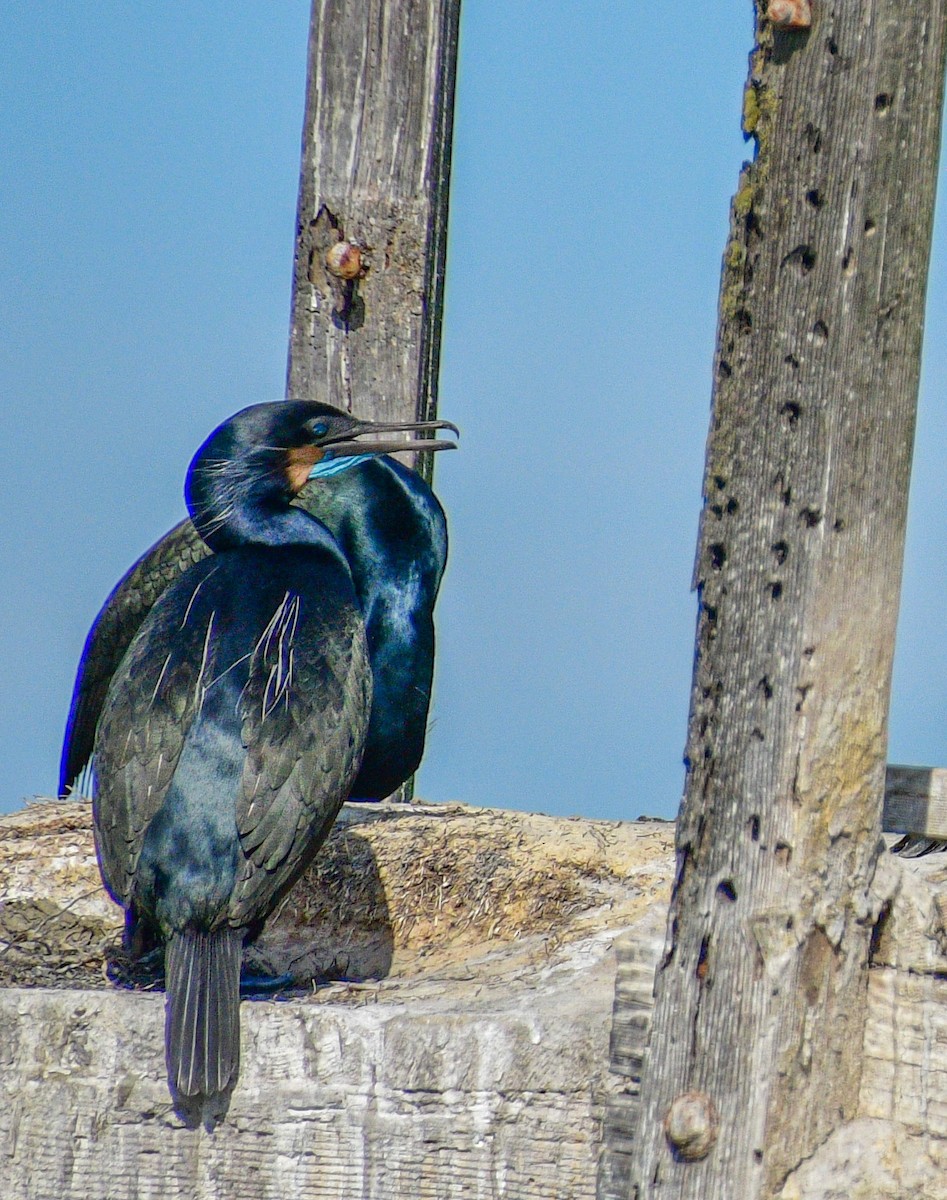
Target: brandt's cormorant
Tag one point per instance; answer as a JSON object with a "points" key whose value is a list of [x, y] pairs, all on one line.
{"points": [[392, 530], [233, 727]]}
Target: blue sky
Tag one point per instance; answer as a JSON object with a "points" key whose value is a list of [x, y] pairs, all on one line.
{"points": [[148, 191]]}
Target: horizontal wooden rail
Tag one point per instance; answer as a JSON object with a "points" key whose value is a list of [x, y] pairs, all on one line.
{"points": [[915, 801]]}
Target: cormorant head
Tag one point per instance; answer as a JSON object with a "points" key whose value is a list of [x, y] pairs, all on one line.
{"points": [[265, 454]]}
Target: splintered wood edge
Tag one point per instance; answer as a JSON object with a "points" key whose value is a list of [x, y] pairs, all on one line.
{"points": [[915, 801]]}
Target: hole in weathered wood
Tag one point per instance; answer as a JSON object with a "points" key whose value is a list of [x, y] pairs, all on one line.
{"points": [[810, 517], [802, 256], [791, 410], [743, 320]]}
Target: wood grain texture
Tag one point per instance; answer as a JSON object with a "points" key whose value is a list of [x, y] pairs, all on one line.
{"points": [[375, 171], [403, 1100], [474, 1065], [894, 1144], [915, 801], [471, 1060], [762, 990]]}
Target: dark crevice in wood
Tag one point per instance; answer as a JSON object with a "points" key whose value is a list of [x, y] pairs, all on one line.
{"points": [[718, 555], [814, 138], [802, 256], [791, 410], [703, 968]]}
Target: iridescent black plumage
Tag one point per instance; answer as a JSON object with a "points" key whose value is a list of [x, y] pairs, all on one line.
{"points": [[233, 727], [393, 532]]}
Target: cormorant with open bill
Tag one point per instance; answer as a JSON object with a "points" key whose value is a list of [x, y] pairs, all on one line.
{"points": [[393, 533], [234, 726]]}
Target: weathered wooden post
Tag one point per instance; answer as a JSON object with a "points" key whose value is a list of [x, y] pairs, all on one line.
{"points": [[755, 1051], [371, 220], [373, 197]]}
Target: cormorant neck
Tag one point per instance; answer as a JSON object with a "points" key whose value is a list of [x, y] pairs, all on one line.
{"points": [[267, 525], [233, 503]]}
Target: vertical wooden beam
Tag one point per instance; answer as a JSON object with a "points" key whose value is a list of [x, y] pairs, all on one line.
{"points": [[375, 173], [755, 1052]]}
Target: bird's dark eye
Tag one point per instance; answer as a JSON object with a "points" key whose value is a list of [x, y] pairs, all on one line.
{"points": [[320, 429]]}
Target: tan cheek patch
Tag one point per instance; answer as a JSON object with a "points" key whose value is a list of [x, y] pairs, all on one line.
{"points": [[299, 462]]}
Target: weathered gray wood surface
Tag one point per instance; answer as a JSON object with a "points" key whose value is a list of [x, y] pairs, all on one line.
{"points": [[761, 992], [375, 175], [375, 172], [893, 1145], [915, 801], [473, 1064]]}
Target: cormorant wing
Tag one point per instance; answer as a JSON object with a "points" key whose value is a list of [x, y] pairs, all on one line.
{"points": [[145, 719], [305, 709], [119, 620]]}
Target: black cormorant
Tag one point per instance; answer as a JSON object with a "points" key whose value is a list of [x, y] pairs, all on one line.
{"points": [[233, 728], [392, 530]]}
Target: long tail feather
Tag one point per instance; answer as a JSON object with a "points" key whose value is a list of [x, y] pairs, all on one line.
{"points": [[202, 1010]]}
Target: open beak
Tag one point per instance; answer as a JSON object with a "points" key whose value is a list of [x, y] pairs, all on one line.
{"points": [[351, 444]]}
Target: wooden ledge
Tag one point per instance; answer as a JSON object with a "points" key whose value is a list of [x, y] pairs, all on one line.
{"points": [[475, 1052], [474, 1062]]}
